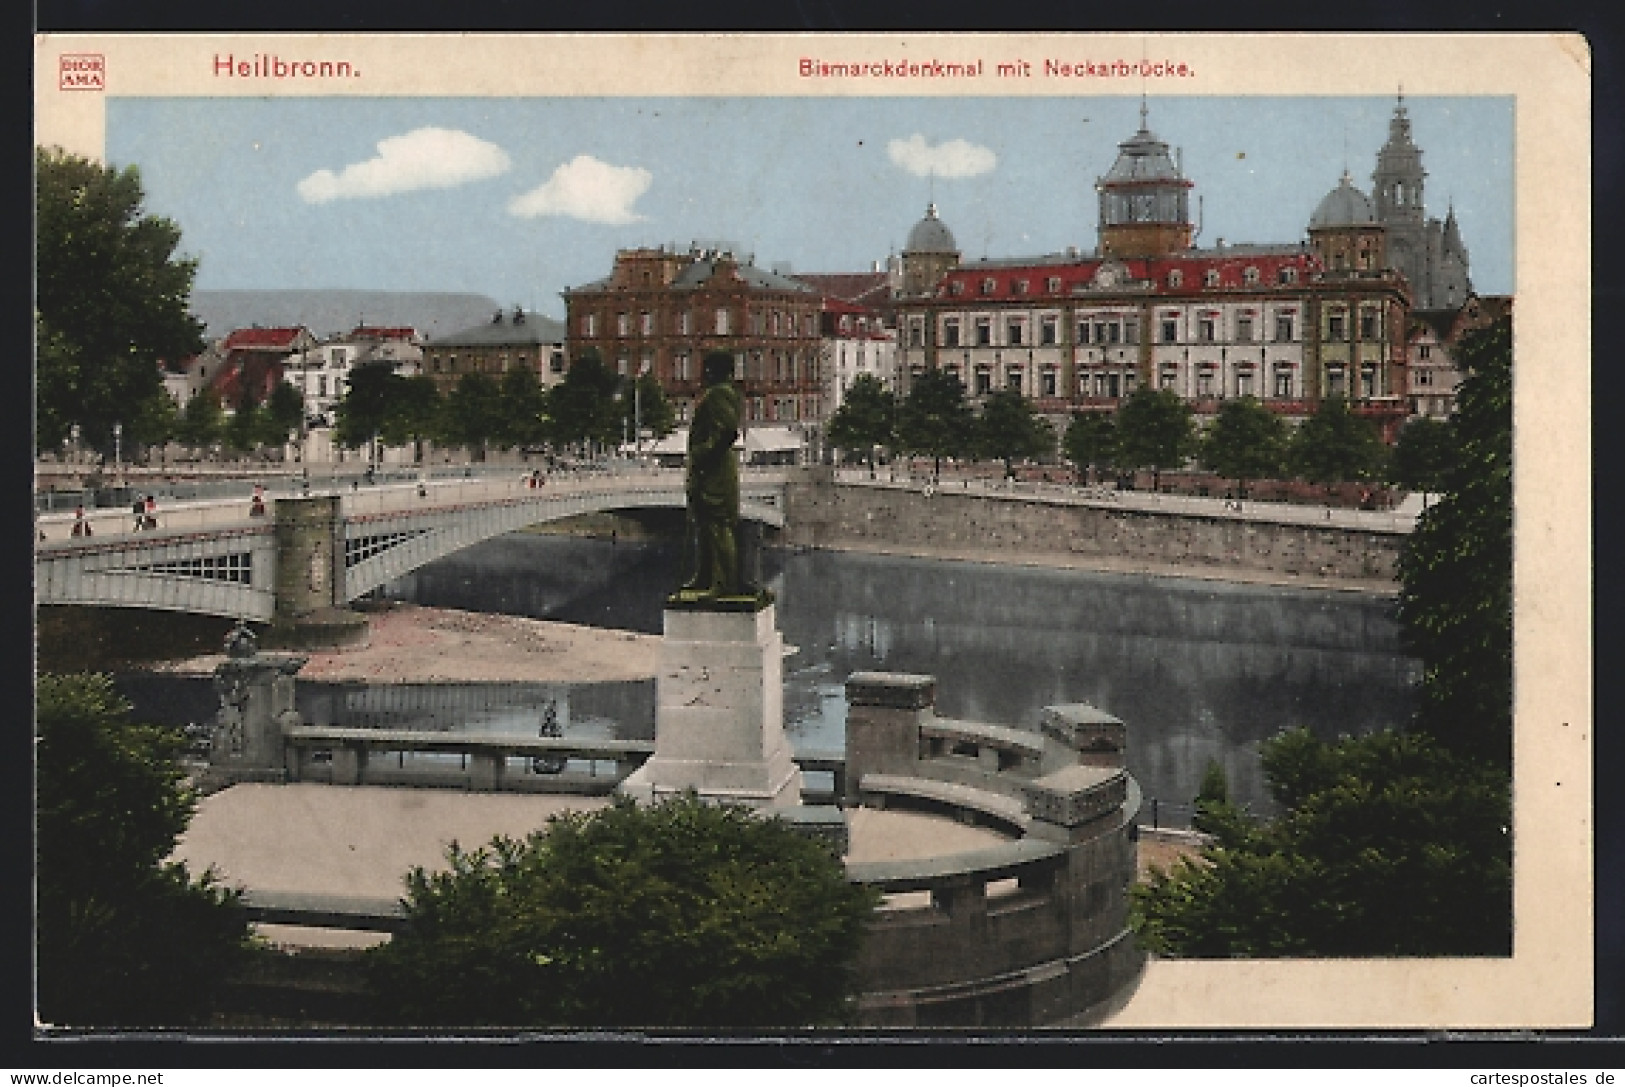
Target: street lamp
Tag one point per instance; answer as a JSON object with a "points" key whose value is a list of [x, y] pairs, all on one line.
{"points": [[118, 451]]}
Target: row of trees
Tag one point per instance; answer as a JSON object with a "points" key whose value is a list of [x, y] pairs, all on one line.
{"points": [[1396, 843], [1153, 430], [592, 405]]}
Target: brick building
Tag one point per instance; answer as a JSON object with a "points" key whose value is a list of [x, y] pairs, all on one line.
{"points": [[661, 311], [506, 342]]}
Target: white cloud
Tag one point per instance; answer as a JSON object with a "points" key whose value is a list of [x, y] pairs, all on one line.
{"points": [[585, 188], [425, 158], [953, 158]]}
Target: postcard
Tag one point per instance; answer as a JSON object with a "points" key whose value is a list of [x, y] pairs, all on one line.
{"points": [[513, 169]]}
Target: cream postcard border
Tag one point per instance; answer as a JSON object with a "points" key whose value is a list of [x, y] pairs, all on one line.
{"points": [[1548, 981]]}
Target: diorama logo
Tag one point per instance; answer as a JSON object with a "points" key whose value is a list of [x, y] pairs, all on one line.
{"points": [[82, 72]]}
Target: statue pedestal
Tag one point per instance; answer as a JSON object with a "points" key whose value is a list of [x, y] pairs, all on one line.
{"points": [[719, 719]]}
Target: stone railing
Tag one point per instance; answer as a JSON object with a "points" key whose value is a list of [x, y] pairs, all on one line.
{"points": [[360, 756], [1032, 931]]}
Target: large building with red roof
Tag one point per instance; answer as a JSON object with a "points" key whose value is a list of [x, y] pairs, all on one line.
{"points": [[1290, 324]]}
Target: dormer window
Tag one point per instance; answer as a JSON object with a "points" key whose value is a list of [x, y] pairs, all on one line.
{"points": [[1249, 276], [956, 287], [1053, 284], [1289, 275], [1176, 279], [1211, 278], [1021, 286], [988, 286]]}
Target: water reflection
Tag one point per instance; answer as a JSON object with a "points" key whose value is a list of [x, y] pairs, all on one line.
{"points": [[1198, 670]]}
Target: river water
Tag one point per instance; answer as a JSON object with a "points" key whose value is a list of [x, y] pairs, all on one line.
{"points": [[1198, 670]]}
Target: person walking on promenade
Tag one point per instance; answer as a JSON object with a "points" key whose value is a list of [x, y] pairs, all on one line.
{"points": [[81, 527]]}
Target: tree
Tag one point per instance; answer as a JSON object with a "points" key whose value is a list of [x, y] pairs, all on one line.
{"points": [[679, 914], [201, 422], [364, 408], [246, 427], [1387, 845], [1009, 428], [1455, 599], [1091, 441], [413, 413], [866, 419], [125, 937], [1246, 441], [284, 413], [472, 413], [523, 407], [1334, 445], [1156, 429], [111, 299], [1423, 454], [583, 406], [934, 419], [645, 407]]}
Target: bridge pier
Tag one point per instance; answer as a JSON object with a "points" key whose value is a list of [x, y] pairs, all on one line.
{"points": [[310, 603]]}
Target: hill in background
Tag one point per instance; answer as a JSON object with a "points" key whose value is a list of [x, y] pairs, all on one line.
{"points": [[328, 313]]}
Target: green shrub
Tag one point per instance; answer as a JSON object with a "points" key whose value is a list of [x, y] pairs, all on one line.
{"points": [[679, 914]]}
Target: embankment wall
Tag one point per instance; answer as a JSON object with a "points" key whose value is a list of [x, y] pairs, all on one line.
{"points": [[824, 514]]}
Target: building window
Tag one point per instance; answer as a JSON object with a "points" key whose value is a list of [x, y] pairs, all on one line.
{"points": [[1211, 278], [623, 324], [1012, 381], [984, 382], [916, 332], [1083, 331], [1053, 284], [722, 322], [988, 286], [1131, 330], [1047, 331], [1249, 276], [1204, 383], [1244, 329], [1368, 381], [589, 324], [1334, 381], [1169, 377], [1424, 377], [1176, 279], [984, 331], [1170, 330], [1334, 327], [646, 323], [1244, 384], [1014, 330], [1021, 286], [1047, 382], [1368, 326], [1289, 275], [556, 363], [623, 365], [685, 323], [1283, 384], [1204, 329], [950, 332], [1283, 327], [956, 287]]}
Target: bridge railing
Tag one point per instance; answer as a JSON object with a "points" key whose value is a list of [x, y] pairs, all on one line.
{"points": [[120, 523]]}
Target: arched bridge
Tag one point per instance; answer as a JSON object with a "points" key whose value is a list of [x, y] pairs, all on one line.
{"points": [[324, 550]]}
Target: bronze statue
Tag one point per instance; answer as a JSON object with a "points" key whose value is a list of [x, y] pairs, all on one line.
{"points": [[712, 485]]}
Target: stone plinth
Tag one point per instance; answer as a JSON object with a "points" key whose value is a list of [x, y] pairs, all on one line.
{"points": [[719, 719], [256, 704]]}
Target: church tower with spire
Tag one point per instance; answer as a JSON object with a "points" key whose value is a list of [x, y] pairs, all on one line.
{"points": [[1427, 252]]}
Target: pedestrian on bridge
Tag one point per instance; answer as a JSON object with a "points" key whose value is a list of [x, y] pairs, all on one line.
{"points": [[256, 508], [81, 527]]}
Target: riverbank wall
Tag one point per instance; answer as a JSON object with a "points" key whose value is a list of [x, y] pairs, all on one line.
{"points": [[1067, 530]]}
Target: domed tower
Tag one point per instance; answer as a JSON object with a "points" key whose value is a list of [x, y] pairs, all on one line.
{"points": [[1144, 200], [930, 254], [1345, 233]]}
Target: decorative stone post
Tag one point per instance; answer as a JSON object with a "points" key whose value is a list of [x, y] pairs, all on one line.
{"points": [[310, 601], [883, 717], [256, 704]]}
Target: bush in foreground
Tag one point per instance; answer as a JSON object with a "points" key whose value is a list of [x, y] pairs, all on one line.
{"points": [[680, 914], [125, 936]]}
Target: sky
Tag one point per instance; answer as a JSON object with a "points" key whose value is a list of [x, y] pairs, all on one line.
{"points": [[522, 198]]}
